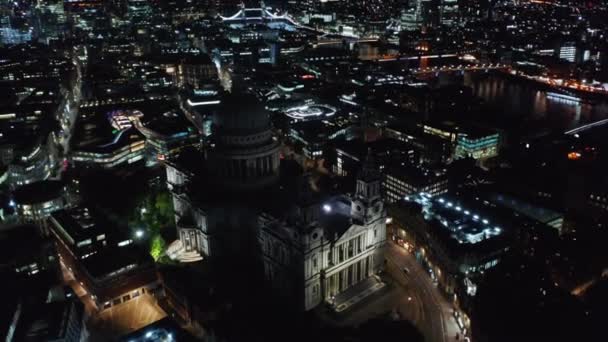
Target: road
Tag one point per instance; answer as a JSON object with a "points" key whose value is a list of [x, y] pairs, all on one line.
{"points": [[435, 319]]}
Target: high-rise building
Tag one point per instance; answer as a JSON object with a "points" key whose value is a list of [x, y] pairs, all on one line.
{"points": [[567, 52], [449, 12]]}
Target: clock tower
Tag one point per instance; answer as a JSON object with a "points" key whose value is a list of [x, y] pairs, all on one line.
{"points": [[367, 205]]}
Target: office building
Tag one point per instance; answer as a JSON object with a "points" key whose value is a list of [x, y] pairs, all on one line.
{"points": [[36, 201], [400, 181], [477, 144]]}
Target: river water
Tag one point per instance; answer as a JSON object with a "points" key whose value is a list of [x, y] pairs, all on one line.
{"points": [[524, 103]]}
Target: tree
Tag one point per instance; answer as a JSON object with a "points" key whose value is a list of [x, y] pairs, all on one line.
{"points": [[155, 214]]}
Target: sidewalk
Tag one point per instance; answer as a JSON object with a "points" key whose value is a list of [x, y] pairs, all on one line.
{"points": [[357, 293]]}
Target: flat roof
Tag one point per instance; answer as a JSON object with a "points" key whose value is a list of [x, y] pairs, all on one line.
{"points": [[417, 175], [117, 260], [358, 148], [38, 192], [77, 223], [19, 241], [45, 322], [465, 223], [537, 213]]}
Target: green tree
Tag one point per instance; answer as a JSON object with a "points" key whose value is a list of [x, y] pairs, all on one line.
{"points": [[157, 246], [154, 213]]}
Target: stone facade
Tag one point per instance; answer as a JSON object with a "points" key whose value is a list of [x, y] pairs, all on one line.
{"points": [[326, 247]]}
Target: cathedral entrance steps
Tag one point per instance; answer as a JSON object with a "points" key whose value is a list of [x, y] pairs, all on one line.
{"points": [[357, 293]]}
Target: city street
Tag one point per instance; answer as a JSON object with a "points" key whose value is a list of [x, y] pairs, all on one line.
{"points": [[412, 296], [435, 318]]}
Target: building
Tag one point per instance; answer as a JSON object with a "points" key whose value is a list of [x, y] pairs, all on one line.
{"points": [[456, 239], [413, 179], [125, 147], [25, 253], [77, 234], [313, 136], [387, 153], [567, 52], [195, 71], [167, 135], [330, 246], [36, 201], [249, 190], [477, 143], [449, 13], [542, 215], [102, 260], [116, 275], [61, 321], [431, 148], [243, 157], [30, 163]]}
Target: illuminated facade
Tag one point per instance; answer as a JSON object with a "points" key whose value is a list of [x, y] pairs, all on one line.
{"points": [[195, 71], [456, 239], [477, 146], [103, 261], [328, 247], [126, 148], [36, 201], [402, 181], [29, 165], [310, 112]]}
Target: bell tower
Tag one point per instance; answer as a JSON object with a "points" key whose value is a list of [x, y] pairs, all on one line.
{"points": [[367, 205]]}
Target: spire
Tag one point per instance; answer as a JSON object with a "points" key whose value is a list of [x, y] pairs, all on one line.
{"points": [[369, 170]]}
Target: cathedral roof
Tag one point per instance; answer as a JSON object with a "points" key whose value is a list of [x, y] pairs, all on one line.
{"points": [[241, 113]]}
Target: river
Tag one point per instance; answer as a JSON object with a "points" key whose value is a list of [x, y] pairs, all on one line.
{"points": [[517, 103]]}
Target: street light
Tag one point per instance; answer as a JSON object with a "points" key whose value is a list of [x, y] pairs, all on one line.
{"points": [[139, 233]]}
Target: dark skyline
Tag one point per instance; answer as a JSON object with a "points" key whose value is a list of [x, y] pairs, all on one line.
{"points": [[314, 170]]}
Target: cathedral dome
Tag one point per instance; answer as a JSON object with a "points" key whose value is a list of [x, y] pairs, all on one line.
{"points": [[246, 154], [241, 113]]}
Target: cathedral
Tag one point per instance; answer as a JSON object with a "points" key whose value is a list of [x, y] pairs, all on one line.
{"points": [[238, 201]]}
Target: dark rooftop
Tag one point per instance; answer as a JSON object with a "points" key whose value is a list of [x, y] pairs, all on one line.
{"points": [[39, 192]]}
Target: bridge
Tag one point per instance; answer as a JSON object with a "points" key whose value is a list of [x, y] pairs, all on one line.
{"points": [[460, 67], [586, 127], [262, 14]]}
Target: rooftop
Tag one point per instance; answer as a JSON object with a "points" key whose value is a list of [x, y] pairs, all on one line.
{"points": [[39, 192], [540, 214], [77, 223], [114, 261], [465, 223], [46, 322], [18, 242], [417, 175]]}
